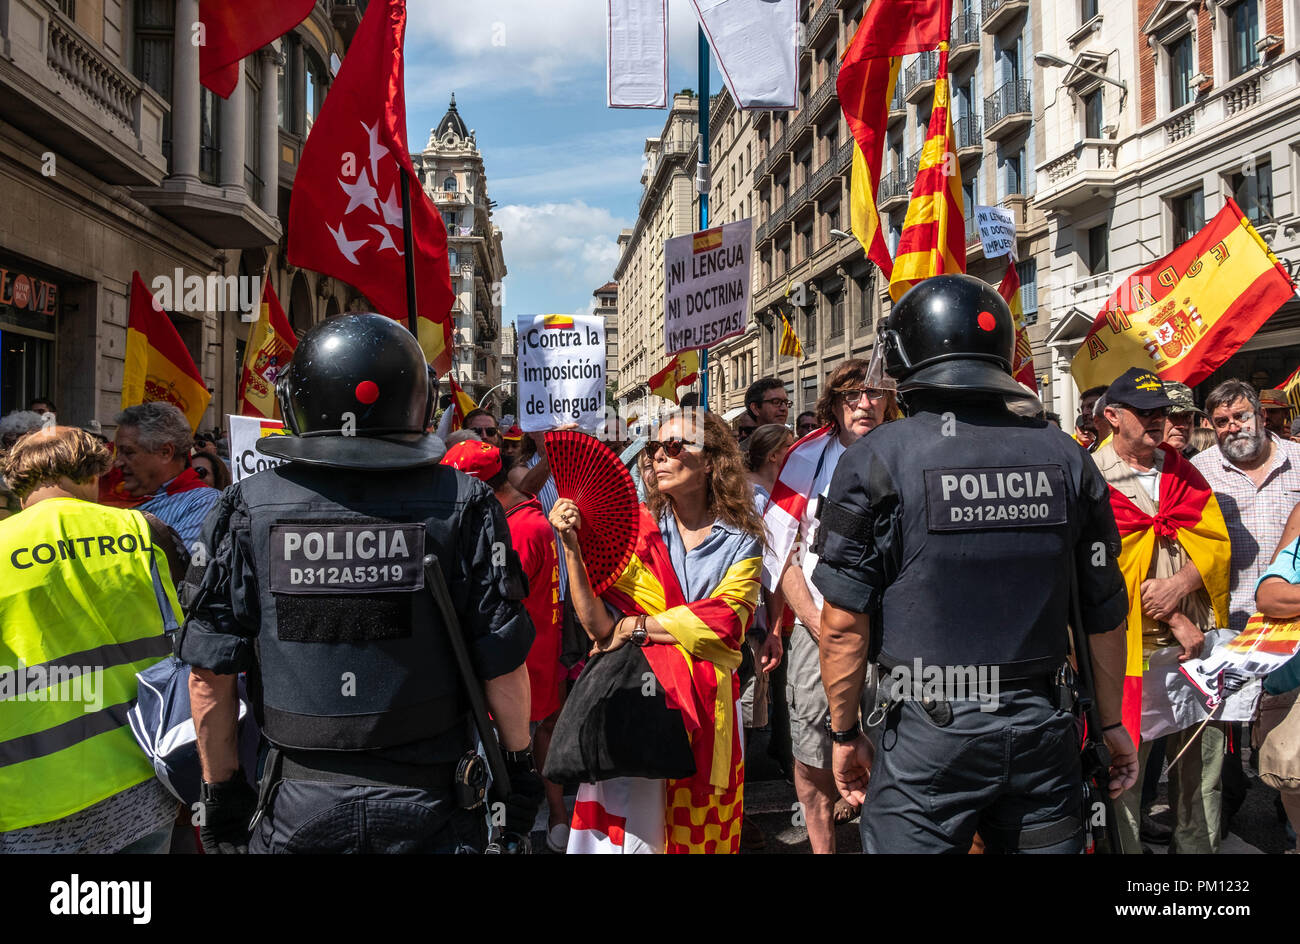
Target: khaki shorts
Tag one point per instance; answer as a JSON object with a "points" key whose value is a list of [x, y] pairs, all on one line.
{"points": [[810, 741], [1277, 734]]}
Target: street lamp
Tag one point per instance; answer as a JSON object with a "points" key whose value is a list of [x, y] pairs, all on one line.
{"points": [[840, 234], [1047, 60]]}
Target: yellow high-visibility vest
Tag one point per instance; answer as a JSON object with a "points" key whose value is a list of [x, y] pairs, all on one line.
{"points": [[80, 614]]}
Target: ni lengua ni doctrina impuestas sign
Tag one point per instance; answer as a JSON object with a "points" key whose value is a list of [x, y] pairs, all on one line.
{"points": [[706, 286]]}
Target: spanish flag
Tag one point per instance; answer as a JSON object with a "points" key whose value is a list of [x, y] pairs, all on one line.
{"points": [[462, 404], [1022, 358], [698, 675], [933, 241], [158, 367], [1189, 514], [790, 346], [557, 321], [1184, 315], [868, 75], [270, 346], [683, 369]]}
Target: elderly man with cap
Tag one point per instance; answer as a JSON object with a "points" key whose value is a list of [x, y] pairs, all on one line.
{"points": [[1175, 559], [1182, 418], [1277, 412], [534, 542]]}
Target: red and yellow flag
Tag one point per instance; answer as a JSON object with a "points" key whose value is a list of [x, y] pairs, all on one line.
{"points": [[1291, 386], [1189, 514], [698, 676], [158, 367], [683, 369], [1022, 358], [1184, 315], [462, 404], [271, 344], [933, 241]]}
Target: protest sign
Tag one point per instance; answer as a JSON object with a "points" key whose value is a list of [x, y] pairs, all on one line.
{"points": [[245, 431], [707, 286], [561, 371], [997, 231]]}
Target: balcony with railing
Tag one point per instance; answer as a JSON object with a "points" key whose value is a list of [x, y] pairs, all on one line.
{"points": [[897, 104], [57, 86], [819, 26], [965, 37], [968, 132], [844, 158], [914, 163], [1008, 110], [920, 75], [1085, 174], [894, 189], [999, 14]]}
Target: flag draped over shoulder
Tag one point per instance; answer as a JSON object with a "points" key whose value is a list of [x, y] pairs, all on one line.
{"points": [[682, 369], [345, 213], [789, 501], [158, 366], [1184, 315], [271, 344], [698, 677], [1189, 514], [933, 241], [1022, 357], [233, 29]]}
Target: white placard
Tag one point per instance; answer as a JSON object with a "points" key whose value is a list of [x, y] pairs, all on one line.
{"points": [[245, 431], [706, 286], [997, 231], [561, 371]]}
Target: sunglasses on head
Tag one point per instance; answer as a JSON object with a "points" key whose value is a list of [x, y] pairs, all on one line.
{"points": [[671, 447]]}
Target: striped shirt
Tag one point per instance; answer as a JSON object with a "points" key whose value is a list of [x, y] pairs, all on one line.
{"points": [[183, 512], [1255, 516]]}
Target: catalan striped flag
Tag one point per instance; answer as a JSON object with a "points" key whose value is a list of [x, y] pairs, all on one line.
{"points": [[790, 346], [1291, 387], [933, 241], [703, 812], [158, 366], [1022, 358], [868, 75], [1189, 513]]}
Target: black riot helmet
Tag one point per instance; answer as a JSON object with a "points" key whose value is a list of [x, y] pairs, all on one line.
{"points": [[951, 333], [356, 396]]}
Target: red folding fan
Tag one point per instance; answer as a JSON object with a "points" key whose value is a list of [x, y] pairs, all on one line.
{"points": [[590, 473]]}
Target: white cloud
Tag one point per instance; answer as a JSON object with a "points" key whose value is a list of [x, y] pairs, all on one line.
{"points": [[557, 254], [593, 163], [540, 44]]}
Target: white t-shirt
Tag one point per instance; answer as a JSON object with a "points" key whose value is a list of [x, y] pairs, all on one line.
{"points": [[808, 523], [1151, 482]]}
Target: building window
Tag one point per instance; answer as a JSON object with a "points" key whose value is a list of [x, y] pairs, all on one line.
{"points": [[808, 336], [1087, 10], [209, 136], [1180, 71], [805, 243], [154, 21], [837, 317], [285, 83], [1099, 249], [449, 221], [1254, 193], [1243, 32], [452, 259], [1092, 119], [864, 302], [315, 91], [1188, 213], [1028, 272], [449, 184], [1015, 182], [253, 141]]}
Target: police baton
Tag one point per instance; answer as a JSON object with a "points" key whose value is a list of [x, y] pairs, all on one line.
{"points": [[473, 688], [1096, 755]]}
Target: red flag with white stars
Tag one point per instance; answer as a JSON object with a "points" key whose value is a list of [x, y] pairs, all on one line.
{"points": [[345, 214]]}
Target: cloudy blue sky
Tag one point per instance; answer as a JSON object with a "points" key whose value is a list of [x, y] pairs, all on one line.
{"points": [[564, 170]]}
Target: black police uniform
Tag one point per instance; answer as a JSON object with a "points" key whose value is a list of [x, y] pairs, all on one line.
{"points": [[316, 587], [955, 527]]}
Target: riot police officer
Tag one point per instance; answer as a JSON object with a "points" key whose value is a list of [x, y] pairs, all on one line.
{"points": [[946, 545], [315, 584]]}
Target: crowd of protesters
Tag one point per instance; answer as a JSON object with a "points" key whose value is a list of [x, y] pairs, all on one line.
{"points": [[722, 498]]}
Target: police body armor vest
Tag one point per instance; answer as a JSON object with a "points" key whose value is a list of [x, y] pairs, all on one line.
{"points": [[80, 614], [989, 517], [352, 651]]}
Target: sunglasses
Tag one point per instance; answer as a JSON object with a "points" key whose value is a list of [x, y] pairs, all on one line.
{"points": [[1153, 413], [671, 447], [493, 431]]}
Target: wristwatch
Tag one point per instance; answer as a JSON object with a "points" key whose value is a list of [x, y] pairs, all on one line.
{"points": [[639, 636], [846, 737]]}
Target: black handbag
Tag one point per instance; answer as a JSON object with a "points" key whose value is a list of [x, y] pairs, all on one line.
{"points": [[617, 723]]}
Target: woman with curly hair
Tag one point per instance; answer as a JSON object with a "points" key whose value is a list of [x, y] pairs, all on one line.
{"points": [[687, 597]]}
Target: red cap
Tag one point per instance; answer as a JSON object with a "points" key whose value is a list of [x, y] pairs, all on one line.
{"points": [[476, 458], [514, 433]]}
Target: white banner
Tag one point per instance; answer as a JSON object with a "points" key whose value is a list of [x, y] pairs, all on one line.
{"points": [[637, 53], [757, 45], [706, 286], [997, 231], [561, 371], [245, 431]]}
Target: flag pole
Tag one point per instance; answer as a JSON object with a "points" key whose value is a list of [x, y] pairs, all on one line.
{"points": [[702, 184], [408, 244]]}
